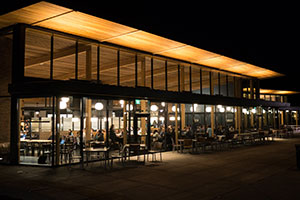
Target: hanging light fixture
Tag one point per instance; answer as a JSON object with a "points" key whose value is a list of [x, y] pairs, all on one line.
{"points": [[62, 105], [154, 108], [208, 109], [99, 106], [65, 99]]}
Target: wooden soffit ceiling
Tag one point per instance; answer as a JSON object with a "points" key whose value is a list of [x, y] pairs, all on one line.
{"points": [[66, 20]]}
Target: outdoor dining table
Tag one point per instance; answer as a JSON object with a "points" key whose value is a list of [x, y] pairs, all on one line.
{"points": [[249, 136], [35, 141], [141, 147], [90, 150]]}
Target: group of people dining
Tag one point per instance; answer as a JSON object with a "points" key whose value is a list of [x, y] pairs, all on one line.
{"points": [[160, 136]]}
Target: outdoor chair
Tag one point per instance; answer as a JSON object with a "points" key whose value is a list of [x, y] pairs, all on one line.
{"points": [[201, 142], [175, 146], [188, 144], [157, 149]]}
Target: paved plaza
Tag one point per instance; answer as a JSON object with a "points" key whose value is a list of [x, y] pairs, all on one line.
{"points": [[251, 172]]}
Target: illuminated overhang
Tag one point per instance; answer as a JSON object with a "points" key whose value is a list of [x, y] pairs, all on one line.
{"points": [[66, 20], [274, 92]]}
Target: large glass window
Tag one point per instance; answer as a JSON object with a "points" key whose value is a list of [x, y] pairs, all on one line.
{"points": [[205, 82], [215, 82], [172, 76], [108, 66], [159, 77], [36, 130], [127, 69], [230, 86], [64, 51], [37, 54], [223, 85], [196, 79]]}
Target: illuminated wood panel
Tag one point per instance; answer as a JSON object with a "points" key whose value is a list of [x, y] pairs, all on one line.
{"points": [[31, 14], [145, 41], [85, 25], [188, 53]]}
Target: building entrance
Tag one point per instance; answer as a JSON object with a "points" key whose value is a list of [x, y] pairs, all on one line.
{"points": [[141, 129]]}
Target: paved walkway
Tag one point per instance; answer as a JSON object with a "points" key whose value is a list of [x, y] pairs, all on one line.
{"points": [[258, 172]]}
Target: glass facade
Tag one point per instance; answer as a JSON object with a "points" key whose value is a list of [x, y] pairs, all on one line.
{"points": [[61, 129], [56, 57]]}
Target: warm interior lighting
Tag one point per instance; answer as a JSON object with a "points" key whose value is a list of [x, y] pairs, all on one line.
{"points": [[271, 91], [154, 108], [65, 99], [99, 106], [208, 109], [62, 105]]}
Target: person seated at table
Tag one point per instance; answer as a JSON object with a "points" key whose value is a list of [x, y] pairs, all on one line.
{"points": [[99, 136], [155, 135], [112, 135], [209, 131], [63, 139], [169, 134], [70, 133], [188, 133], [220, 130], [231, 129]]}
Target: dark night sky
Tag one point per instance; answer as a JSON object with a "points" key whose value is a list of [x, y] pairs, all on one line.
{"points": [[265, 35]]}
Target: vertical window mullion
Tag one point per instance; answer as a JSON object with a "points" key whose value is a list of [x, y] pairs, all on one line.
{"points": [[201, 81], [219, 83], [118, 67], [178, 68], [166, 75], [152, 81], [98, 64], [210, 84], [51, 56], [191, 79], [136, 70], [227, 87], [76, 60]]}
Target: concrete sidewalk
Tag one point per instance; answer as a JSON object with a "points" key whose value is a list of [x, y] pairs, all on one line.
{"points": [[252, 172]]}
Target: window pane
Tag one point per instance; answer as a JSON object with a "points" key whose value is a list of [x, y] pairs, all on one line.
{"points": [[196, 79], [37, 54], [172, 76], [84, 61], [223, 84], [64, 58], [186, 78], [127, 69], [215, 82], [205, 82], [94, 61], [159, 78], [230, 86], [108, 66], [36, 130]]}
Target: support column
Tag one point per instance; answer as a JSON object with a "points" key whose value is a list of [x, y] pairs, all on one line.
{"points": [[143, 121], [88, 105], [182, 117], [212, 120], [296, 118], [57, 133], [176, 124], [124, 123], [239, 111], [88, 110]]}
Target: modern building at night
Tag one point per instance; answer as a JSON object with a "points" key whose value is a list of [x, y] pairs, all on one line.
{"points": [[64, 70]]}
